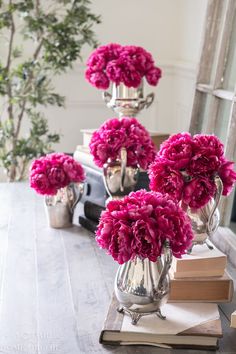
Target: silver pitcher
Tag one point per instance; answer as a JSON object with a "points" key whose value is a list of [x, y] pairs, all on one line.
{"points": [[60, 207], [119, 179], [127, 101], [205, 220], [142, 286]]}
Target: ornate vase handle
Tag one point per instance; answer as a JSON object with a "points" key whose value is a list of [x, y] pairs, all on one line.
{"points": [[123, 158], [74, 197], [106, 97], [165, 269], [219, 189], [149, 99]]}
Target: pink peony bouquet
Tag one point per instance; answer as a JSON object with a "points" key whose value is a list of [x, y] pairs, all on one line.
{"points": [[107, 141], [185, 168], [121, 64], [54, 171], [139, 224]]}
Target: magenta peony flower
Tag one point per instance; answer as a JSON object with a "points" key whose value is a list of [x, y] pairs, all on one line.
{"points": [[153, 76], [54, 171], [41, 184], [185, 168], [178, 148], [114, 71], [165, 179], [208, 154], [139, 224], [107, 141], [121, 64], [97, 62], [198, 192], [98, 79], [227, 175]]}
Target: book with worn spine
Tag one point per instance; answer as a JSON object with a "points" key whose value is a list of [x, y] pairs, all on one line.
{"points": [[233, 320], [213, 289], [201, 262], [193, 326]]}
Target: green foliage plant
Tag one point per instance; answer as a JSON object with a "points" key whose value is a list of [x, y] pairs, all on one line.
{"points": [[43, 40]]}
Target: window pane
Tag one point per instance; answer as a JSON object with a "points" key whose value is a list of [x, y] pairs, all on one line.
{"points": [[230, 70], [218, 43], [204, 114], [222, 119]]}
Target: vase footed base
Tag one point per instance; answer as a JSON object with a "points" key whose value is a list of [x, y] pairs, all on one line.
{"points": [[205, 242], [135, 316]]}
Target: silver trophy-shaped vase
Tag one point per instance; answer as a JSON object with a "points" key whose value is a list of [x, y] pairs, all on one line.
{"points": [[119, 179], [127, 101]]}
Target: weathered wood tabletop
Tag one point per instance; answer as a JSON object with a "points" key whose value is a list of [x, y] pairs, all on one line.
{"points": [[55, 285]]}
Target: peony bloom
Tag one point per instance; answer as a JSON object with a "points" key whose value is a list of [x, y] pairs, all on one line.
{"points": [[198, 192], [121, 64], [165, 179], [139, 224], [228, 176], [198, 160], [54, 171], [107, 141], [178, 148], [153, 76], [98, 79]]}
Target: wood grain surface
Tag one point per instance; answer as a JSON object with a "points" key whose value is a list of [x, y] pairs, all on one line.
{"points": [[56, 285]]}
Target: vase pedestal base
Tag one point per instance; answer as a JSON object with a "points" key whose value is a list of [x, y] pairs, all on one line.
{"points": [[202, 242], [135, 315]]}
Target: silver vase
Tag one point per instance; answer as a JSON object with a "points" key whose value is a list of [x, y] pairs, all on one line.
{"points": [[119, 179], [127, 101], [142, 286], [60, 207], [205, 220]]}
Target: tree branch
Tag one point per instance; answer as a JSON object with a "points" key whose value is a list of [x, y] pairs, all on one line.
{"points": [[30, 78], [8, 65]]}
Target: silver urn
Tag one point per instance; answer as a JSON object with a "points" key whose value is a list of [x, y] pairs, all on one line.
{"points": [[127, 101], [60, 207], [142, 286], [119, 179]]}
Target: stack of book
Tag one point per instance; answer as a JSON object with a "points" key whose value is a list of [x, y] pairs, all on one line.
{"points": [[201, 277], [93, 200], [198, 281]]}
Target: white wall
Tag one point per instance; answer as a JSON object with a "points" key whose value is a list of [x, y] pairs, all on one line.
{"points": [[171, 30]]}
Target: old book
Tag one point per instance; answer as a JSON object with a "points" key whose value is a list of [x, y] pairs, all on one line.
{"points": [[202, 262], [83, 156], [88, 224], [93, 211], [233, 320], [214, 289], [193, 326]]}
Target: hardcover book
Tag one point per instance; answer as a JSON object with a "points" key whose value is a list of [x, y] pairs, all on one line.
{"points": [[214, 289], [233, 320], [193, 326], [202, 262], [88, 224], [92, 210]]}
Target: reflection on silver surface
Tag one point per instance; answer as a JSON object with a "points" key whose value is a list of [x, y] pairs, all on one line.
{"points": [[60, 207], [205, 220], [119, 179], [142, 286], [127, 101]]}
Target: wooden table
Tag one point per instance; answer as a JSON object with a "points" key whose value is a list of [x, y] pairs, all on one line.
{"points": [[55, 285]]}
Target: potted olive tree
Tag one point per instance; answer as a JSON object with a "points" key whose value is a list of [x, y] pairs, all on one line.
{"points": [[41, 39]]}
